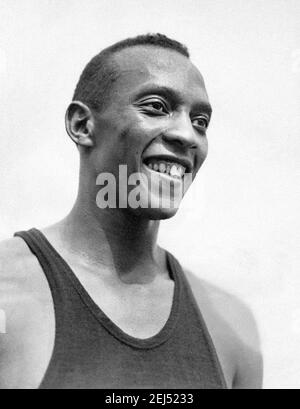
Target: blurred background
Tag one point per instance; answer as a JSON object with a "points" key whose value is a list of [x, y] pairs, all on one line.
{"points": [[239, 224]]}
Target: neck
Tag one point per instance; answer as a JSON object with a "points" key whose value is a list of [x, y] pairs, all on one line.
{"points": [[113, 238]]}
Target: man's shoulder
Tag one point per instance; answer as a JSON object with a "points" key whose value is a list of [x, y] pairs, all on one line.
{"points": [[21, 278], [13, 247], [225, 305], [233, 329], [15, 259], [25, 308]]}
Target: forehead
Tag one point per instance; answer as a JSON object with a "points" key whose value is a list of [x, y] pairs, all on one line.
{"points": [[137, 66]]}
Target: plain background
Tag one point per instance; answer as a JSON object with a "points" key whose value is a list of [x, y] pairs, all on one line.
{"points": [[239, 225]]}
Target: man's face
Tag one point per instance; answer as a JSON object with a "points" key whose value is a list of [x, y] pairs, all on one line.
{"points": [[154, 121]]}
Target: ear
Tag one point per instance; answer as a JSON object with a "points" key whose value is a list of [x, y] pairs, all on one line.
{"points": [[79, 123]]}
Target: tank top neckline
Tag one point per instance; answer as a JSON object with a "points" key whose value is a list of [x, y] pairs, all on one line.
{"points": [[162, 336]]}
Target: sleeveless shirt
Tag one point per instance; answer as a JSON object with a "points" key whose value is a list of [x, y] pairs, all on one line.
{"points": [[91, 352]]}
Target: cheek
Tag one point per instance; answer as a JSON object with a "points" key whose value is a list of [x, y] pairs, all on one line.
{"points": [[202, 153], [204, 149], [131, 145], [134, 137]]}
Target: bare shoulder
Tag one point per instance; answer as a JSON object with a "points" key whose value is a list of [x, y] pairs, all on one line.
{"points": [[234, 331], [20, 282], [24, 301], [14, 253], [18, 268]]}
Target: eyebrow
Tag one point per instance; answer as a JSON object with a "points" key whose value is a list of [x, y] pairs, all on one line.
{"points": [[172, 95]]}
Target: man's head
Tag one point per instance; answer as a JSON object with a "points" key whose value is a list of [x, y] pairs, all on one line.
{"points": [[102, 71], [141, 102]]}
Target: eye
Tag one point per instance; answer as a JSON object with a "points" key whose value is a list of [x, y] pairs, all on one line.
{"points": [[155, 106], [158, 106], [201, 122]]}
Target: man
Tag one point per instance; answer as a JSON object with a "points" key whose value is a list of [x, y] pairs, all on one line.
{"points": [[93, 301]]}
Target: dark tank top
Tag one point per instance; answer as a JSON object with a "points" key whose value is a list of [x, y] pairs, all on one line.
{"points": [[90, 351]]}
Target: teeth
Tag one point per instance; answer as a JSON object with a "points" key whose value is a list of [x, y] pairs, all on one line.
{"points": [[175, 172], [172, 169], [162, 167], [180, 170]]}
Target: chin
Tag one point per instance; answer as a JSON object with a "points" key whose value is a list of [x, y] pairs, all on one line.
{"points": [[165, 214], [162, 214], [151, 213]]}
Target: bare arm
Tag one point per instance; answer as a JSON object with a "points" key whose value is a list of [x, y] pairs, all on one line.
{"points": [[234, 332], [24, 301]]}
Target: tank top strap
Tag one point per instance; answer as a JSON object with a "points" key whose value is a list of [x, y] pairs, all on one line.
{"points": [[192, 305], [51, 263]]}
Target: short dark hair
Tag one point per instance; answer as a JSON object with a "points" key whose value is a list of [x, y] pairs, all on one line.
{"points": [[100, 72]]}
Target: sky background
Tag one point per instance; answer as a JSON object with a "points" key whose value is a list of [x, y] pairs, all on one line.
{"points": [[239, 224]]}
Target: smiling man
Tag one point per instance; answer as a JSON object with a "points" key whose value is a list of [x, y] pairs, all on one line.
{"points": [[93, 301]]}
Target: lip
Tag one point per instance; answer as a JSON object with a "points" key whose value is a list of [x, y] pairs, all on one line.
{"points": [[186, 163], [162, 175]]}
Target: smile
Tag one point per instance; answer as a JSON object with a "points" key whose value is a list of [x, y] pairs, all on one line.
{"points": [[172, 169]]}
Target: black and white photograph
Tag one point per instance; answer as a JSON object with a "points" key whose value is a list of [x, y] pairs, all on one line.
{"points": [[149, 197]]}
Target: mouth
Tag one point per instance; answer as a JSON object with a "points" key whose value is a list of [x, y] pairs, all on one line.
{"points": [[168, 165]]}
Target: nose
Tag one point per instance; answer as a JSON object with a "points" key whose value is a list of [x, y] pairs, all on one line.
{"points": [[181, 132]]}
